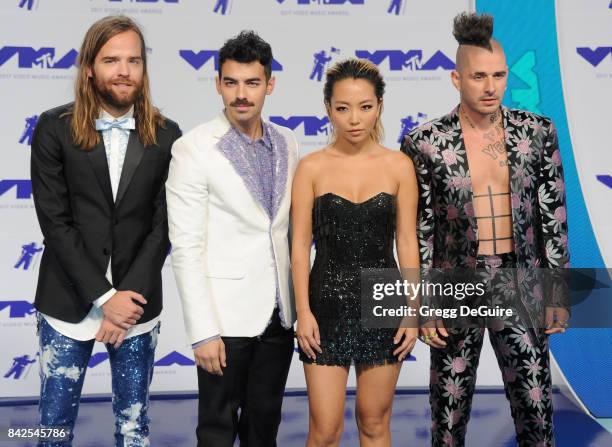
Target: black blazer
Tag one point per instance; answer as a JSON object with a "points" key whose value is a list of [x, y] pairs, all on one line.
{"points": [[83, 227]]}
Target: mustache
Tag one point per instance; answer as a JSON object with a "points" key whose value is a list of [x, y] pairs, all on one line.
{"points": [[241, 102]]}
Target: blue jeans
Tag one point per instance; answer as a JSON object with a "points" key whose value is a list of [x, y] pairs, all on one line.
{"points": [[63, 363]]}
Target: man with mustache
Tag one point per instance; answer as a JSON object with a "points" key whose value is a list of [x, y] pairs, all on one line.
{"points": [[492, 199], [228, 193], [99, 165]]}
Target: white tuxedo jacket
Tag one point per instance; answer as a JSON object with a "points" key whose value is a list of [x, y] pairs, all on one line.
{"points": [[226, 251]]}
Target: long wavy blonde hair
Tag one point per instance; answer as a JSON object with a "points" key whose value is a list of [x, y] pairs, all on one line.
{"points": [[87, 104]]}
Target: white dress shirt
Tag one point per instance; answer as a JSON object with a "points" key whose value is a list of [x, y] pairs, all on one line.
{"points": [[115, 143]]}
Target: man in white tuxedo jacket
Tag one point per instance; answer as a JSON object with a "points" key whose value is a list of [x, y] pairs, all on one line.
{"points": [[228, 195]]}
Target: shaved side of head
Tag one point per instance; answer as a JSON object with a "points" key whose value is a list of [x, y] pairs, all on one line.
{"points": [[465, 51]]}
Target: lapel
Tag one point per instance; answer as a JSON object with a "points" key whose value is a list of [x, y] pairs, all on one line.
{"points": [[133, 156], [229, 145], [514, 165], [280, 155], [463, 166], [97, 158]]}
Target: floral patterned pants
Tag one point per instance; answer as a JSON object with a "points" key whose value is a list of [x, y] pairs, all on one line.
{"points": [[524, 364]]}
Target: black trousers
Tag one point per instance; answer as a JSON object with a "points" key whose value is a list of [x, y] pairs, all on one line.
{"points": [[246, 401]]}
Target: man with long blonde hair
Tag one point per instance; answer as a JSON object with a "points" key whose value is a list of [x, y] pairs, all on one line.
{"points": [[99, 165]]}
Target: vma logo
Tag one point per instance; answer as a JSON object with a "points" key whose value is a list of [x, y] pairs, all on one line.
{"points": [[45, 57], [28, 131], [199, 59], [606, 180], [409, 123], [23, 188], [313, 125], [20, 367], [594, 56], [321, 59], [29, 254], [412, 60], [173, 358], [17, 309]]}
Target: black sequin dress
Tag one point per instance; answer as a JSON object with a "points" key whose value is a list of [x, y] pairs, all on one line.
{"points": [[348, 237]]}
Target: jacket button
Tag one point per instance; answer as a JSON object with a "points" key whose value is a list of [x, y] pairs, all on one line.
{"points": [[106, 252], [115, 221]]}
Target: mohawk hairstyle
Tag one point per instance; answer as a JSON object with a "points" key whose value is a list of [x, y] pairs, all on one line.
{"points": [[473, 29]]}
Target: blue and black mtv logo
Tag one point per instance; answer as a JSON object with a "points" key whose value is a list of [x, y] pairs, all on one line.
{"points": [[171, 359], [29, 256], [198, 59], [606, 180], [20, 367], [28, 5], [18, 308], [23, 188], [412, 60], [596, 55], [46, 57], [28, 131], [313, 125], [410, 122], [321, 59]]}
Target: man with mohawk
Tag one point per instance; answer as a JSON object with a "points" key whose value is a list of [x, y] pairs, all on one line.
{"points": [[492, 201]]}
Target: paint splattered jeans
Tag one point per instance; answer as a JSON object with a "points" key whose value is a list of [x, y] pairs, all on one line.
{"points": [[63, 363]]}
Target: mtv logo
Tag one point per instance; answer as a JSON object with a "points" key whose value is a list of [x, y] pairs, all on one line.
{"points": [[313, 125], [606, 180], [410, 60], [18, 309], [199, 59], [23, 188], [595, 56], [331, 2], [29, 57]]}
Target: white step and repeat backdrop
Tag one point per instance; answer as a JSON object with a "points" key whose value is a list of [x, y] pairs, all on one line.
{"points": [[410, 40]]}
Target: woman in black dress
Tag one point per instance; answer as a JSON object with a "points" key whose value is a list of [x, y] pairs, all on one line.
{"points": [[353, 198]]}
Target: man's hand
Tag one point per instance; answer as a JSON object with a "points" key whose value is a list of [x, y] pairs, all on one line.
{"points": [[431, 333], [121, 310], [111, 333], [211, 356], [556, 320]]}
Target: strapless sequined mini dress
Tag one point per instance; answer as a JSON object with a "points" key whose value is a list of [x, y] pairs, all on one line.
{"points": [[348, 237]]}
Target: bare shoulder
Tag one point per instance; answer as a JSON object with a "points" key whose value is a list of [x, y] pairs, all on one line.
{"points": [[311, 163], [397, 161]]}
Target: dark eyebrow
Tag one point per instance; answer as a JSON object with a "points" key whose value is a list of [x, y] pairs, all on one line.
{"points": [[480, 73], [253, 79], [503, 72]]}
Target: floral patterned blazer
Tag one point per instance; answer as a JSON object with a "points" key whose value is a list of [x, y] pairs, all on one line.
{"points": [[447, 229]]}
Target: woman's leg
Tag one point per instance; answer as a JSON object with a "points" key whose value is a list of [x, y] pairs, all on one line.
{"points": [[375, 391], [326, 395]]}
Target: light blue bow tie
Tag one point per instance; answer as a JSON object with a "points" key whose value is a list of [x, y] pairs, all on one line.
{"points": [[123, 123]]}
